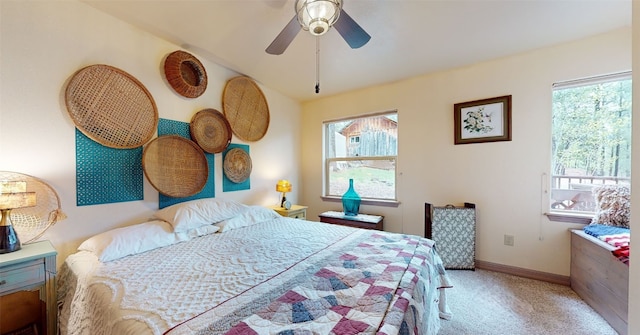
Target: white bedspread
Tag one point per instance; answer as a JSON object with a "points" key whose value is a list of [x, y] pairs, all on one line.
{"points": [[183, 288]]}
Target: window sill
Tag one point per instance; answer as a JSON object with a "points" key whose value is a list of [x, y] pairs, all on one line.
{"points": [[569, 218], [386, 203]]}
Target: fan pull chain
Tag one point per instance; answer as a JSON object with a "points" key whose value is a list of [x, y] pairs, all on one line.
{"points": [[317, 64]]}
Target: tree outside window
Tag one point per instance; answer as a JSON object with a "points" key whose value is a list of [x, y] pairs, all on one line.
{"points": [[591, 139]]}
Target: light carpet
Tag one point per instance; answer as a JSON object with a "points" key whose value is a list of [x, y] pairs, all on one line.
{"points": [[492, 303]]}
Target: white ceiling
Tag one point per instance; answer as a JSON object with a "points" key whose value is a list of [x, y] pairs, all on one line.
{"points": [[409, 37]]}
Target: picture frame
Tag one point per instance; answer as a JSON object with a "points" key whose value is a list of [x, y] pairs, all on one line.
{"points": [[486, 120]]}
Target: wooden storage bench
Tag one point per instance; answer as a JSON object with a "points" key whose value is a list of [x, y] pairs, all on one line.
{"points": [[600, 278]]}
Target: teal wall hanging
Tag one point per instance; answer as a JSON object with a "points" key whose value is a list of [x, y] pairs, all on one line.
{"points": [[106, 175]]}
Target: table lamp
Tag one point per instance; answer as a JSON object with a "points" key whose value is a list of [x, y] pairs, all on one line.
{"points": [[283, 186], [13, 194]]}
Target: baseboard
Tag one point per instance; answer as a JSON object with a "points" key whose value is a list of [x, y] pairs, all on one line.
{"points": [[525, 273]]}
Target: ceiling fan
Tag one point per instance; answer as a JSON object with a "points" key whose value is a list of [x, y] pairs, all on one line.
{"points": [[317, 16]]}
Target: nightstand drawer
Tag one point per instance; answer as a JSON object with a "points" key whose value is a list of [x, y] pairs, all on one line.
{"points": [[22, 275], [28, 289], [302, 215]]}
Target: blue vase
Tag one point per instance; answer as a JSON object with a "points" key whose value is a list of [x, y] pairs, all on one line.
{"points": [[350, 201], [9, 241]]}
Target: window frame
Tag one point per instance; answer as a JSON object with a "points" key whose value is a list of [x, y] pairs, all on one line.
{"points": [[327, 162], [582, 217]]}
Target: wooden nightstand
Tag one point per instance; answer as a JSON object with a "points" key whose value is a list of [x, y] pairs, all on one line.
{"points": [[365, 221], [28, 288], [296, 211]]}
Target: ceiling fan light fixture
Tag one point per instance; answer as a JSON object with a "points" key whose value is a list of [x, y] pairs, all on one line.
{"points": [[317, 16], [318, 27]]}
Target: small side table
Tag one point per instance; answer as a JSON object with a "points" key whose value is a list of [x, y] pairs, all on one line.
{"points": [[296, 211], [365, 221], [32, 267]]}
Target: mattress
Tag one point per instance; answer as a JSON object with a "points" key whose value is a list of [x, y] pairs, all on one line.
{"points": [[281, 276]]}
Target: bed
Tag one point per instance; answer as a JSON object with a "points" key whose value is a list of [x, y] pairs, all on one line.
{"points": [[252, 272]]}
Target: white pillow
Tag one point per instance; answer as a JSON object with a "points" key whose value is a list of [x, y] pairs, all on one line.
{"points": [[200, 231], [254, 215], [131, 240], [197, 213]]}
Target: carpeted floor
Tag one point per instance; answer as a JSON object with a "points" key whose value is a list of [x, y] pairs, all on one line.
{"points": [[491, 303]]}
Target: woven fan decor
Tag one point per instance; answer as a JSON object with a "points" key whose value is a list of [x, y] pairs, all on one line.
{"points": [[237, 165], [31, 222], [185, 74], [175, 166], [210, 130], [246, 109], [111, 107]]}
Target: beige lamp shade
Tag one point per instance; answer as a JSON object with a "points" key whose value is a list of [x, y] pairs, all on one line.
{"points": [[13, 194], [17, 200], [12, 186]]}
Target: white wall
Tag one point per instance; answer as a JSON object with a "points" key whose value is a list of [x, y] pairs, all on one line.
{"points": [[42, 45], [504, 179]]}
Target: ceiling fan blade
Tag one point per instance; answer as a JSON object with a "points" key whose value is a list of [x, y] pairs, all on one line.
{"points": [[286, 36], [351, 31]]}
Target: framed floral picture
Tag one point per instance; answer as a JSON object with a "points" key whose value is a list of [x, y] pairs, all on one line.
{"points": [[486, 120]]}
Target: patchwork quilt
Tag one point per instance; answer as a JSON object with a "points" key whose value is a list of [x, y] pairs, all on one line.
{"points": [[284, 276], [351, 294]]}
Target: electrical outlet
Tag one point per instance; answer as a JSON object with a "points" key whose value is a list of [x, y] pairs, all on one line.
{"points": [[508, 240]]}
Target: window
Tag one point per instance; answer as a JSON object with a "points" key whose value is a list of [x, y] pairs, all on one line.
{"points": [[363, 149], [591, 140]]}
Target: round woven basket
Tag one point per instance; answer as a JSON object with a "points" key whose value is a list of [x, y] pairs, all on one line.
{"points": [[246, 109], [111, 107], [237, 165], [210, 130], [31, 222], [175, 166], [185, 74]]}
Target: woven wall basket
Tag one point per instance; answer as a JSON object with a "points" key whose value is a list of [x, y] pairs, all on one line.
{"points": [[237, 165], [175, 166], [210, 130], [185, 74], [31, 222], [111, 107], [246, 109]]}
